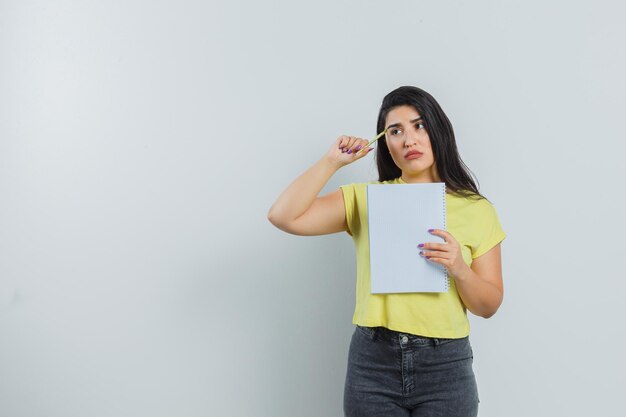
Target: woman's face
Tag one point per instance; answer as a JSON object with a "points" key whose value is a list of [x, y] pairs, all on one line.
{"points": [[409, 145]]}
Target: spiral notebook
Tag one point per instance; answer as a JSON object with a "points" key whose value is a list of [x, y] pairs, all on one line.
{"points": [[399, 216]]}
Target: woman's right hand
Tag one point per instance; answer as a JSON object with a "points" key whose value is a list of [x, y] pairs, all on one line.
{"points": [[346, 150]]}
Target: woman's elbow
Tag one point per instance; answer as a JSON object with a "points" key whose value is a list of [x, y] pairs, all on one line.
{"points": [[280, 222], [275, 218], [488, 314], [490, 311]]}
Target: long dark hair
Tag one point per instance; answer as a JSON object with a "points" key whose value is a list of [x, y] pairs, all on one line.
{"points": [[451, 168]]}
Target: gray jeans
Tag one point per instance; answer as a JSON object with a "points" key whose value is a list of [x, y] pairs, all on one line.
{"points": [[392, 374]]}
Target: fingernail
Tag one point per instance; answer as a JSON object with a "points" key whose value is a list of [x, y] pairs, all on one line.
{"points": [[431, 230], [350, 151], [428, 257], [421, 253], [421, 245], [358, 148]]}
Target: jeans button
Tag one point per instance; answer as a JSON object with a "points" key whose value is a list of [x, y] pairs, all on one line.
{"points": [[405, 339]]}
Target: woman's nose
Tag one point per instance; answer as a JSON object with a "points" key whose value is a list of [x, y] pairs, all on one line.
{"points": [[409, 139]]}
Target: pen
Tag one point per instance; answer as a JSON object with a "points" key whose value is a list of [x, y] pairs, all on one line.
{"points": [[380, 135]]}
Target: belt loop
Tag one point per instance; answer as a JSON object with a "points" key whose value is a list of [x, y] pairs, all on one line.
{"points": [[436, 341], [374, 333]]}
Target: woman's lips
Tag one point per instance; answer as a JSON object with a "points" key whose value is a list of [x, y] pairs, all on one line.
{"points": [[413, 155]]}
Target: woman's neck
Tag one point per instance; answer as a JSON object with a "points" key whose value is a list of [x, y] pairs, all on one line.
{"points": [[422, 177]]}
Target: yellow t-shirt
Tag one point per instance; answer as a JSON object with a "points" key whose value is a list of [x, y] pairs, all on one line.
{"points": [[473, 223]]}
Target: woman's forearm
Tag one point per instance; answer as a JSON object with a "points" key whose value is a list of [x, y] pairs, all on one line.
{"points": [[480, 297]]}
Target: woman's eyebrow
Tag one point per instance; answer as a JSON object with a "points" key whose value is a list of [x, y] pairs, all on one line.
{"points": [[400, 124]]}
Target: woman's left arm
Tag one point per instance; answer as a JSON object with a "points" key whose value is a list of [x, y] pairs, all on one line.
{"points": [[479, 286]]}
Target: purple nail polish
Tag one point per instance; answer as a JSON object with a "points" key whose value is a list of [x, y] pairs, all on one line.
{"points": [[431, 230], [350, 151], [358, 148], [428, 257], [421, 253], [421, 245]]}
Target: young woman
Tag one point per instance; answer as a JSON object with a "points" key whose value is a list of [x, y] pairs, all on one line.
{"points": [[410, 353]]}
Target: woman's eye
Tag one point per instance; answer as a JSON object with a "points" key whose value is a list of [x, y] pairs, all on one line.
{"points": [[395, 132], [419, 126]]}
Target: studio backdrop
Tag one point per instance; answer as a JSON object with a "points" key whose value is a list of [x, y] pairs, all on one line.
{"points": [[143, 142]]}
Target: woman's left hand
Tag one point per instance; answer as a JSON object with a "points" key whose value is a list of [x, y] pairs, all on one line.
{"points": [[447, 254]]}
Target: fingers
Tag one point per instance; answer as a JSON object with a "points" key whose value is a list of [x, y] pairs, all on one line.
{"points": [[434, 246], [446, 263], [440, 257], [443, 234], [448, 254], [431, 254], [439, 251], [352, 145], [364, 150]]}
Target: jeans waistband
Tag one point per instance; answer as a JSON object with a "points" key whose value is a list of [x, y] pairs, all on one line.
{"points": [[394, 337]]}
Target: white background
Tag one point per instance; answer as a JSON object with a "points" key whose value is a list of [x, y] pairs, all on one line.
{"points": [[142, 143]]}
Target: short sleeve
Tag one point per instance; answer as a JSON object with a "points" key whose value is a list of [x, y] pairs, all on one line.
{"points": [[349, 201], [489, 232]]}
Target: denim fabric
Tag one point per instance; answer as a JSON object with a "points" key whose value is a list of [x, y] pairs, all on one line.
{"points": [[394, 374]]}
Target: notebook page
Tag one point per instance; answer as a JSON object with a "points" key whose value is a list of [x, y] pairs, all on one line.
{"points": [[399, 217]]}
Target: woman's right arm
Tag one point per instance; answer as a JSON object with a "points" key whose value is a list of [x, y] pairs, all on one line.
{"points": [[300, 211]]}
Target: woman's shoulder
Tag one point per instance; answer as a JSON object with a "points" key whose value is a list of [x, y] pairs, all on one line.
{"points": [[472, 201], [476, 210], [363, 185]]}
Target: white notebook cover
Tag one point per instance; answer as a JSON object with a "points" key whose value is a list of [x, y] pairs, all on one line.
{"points": [[399, 217]]}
